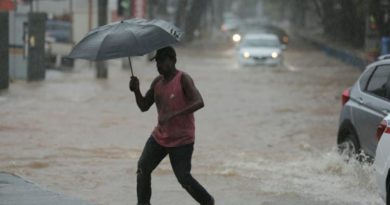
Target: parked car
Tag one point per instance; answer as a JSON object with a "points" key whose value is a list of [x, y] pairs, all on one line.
{"points": [[58, 31], [57, 39], [364, 105], [259, 49], [382, 159]]}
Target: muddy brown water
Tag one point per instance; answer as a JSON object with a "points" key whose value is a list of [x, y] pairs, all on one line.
{"points": [[266, 135]]}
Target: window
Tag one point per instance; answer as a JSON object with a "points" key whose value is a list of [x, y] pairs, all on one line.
{"points": [[259, 42], [379, 81], [364, 79]]}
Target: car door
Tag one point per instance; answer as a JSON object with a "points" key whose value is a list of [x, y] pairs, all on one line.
{"points": [[373, 106]]}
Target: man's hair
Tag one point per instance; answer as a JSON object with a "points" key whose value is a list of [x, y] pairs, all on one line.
{"points": [[168, 51]]}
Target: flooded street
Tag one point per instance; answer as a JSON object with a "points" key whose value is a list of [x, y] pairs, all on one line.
{"points": [[266, 135]]}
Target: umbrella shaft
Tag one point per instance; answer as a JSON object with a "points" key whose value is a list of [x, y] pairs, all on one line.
{"points": [[131, 67]]}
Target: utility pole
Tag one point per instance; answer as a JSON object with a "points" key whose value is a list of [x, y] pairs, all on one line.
{"points": [[4, 61], [181, 13], [89, 15], [193, 18], [150, 15], [101, 67], [31, 6], [71, 20]]}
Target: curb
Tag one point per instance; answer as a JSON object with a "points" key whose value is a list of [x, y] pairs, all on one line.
{"points": [[355, 59]]}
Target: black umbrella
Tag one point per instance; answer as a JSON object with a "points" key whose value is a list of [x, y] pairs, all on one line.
{"points": [[132, 37]]}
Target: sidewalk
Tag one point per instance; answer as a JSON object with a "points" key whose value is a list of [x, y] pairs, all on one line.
{"points": [[355, 57], [17, 191]]}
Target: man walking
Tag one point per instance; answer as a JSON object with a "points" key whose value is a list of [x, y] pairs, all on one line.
{"points": [[176, 99]]}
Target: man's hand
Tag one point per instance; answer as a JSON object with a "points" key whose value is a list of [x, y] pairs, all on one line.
{"points": [[134, 84]]}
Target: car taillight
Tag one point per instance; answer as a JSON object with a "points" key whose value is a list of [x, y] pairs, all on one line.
{"points": [[285, 39], [382, 128], [345, 96]]}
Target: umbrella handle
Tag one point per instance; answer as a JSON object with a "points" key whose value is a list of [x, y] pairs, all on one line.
{"points": [[131, 67]]}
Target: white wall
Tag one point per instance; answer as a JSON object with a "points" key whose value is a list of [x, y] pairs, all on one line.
{"points": [[56, 7], [83, 19], [81, 24]]}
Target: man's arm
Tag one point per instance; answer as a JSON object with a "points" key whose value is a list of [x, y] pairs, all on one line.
{"points": [[194, 98], [192, 94], [144, 103]]}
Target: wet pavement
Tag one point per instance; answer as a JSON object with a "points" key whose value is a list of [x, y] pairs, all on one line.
{"points": [[266, 135], [17, 191]]}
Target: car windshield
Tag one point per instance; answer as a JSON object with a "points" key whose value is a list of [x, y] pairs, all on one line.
{"points": [[260, 43]]}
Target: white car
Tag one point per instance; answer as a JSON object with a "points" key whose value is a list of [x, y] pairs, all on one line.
{"points": [[382, 159], [260, 49]]}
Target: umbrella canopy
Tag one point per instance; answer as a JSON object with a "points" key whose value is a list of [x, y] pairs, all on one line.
{"points": [[132, 37]]}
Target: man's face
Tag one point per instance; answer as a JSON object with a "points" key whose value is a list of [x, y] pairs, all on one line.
{"points": [[164, 64]]}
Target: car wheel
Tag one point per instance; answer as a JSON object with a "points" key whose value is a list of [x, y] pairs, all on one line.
{"points": [[349, 146]]}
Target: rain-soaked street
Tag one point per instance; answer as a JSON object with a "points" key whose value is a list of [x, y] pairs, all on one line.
{"points": [[266, 135]]}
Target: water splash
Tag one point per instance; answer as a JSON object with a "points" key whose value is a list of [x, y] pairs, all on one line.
{"points": [[327, 176]]}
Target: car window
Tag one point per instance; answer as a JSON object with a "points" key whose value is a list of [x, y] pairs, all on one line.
{"points": [[378, 82], [364, 79], [261, 43]]}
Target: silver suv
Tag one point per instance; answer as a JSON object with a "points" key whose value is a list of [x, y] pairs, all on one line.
{"points": [[365, 104]]}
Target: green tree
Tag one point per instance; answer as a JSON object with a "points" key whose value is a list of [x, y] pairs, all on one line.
{"points": [[342, 20]]}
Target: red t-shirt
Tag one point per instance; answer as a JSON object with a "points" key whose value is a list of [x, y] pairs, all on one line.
{"points": [[169, 97]]}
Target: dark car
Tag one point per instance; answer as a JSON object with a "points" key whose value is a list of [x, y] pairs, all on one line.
{"points": [[251, 26], [282, 34], [365, 104]]}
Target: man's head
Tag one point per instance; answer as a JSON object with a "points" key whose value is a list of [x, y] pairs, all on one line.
{"points": [[166, 52], [165, 59]]}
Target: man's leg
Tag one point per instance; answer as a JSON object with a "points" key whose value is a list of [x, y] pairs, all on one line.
{"points": [[181, 164], [151, 156]]}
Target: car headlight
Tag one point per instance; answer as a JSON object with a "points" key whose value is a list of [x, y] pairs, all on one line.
{"points": [[274, 55], [246, 54], [236, 38]]}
